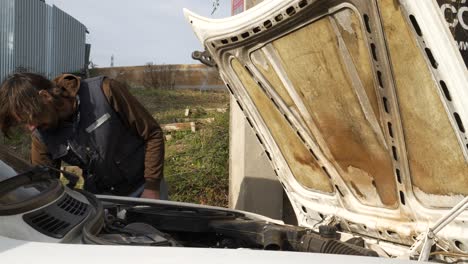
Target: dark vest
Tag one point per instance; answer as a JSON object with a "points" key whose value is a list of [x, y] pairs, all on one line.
{"points": [[111, 156]]}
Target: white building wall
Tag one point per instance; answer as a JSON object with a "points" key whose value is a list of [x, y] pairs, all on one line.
{"points": [[253, 185]]}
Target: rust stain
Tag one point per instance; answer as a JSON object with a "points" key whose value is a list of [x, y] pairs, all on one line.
{"points": [[356, 189], [315, 67], [307, 160], [299, 160], [436, 161], [358, 50]]}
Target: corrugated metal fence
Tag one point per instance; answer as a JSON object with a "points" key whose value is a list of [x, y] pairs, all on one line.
{"points": [[7, 32], [39, 38], [68, 43]]}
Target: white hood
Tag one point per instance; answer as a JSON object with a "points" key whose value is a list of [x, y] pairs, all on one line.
{"points": [[361, 105]]}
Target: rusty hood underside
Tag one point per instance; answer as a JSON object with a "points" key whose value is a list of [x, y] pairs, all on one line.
{"points": [[361, 106]]}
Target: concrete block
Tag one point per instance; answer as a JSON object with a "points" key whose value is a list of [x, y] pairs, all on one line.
{"points": [[253, 185]]}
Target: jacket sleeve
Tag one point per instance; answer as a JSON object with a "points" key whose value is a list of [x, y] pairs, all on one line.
{"points": [[140, 121]]}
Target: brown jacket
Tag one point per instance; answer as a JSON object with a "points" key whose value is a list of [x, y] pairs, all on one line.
{"points": [[134, 116]]}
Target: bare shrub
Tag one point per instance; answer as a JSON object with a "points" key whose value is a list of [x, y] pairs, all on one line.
{"points": [[159, 76]]}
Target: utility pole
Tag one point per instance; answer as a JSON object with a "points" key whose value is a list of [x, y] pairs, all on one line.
{"points": [[215, 6], [112, 61]]}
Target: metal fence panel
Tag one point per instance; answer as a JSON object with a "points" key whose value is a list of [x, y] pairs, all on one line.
{"points": [[39, 38], [49, 40], [68, 43], [7, 28], [30, 36]]}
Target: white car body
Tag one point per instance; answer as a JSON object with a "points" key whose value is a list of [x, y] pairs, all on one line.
{"points": [[16, 251], [421, 132]]}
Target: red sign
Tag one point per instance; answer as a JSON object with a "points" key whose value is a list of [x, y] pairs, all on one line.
{"points": [[237, 6]]}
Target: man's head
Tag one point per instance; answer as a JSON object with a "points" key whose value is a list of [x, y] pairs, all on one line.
{"points": [[32, 100]]}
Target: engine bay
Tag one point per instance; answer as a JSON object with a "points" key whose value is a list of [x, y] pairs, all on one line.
{"points": [[36, 207], [168, 225]]}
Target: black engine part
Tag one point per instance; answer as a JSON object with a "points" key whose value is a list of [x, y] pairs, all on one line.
{"points": [[314, 243], [200, 227], [139, 234], [179, 219]]}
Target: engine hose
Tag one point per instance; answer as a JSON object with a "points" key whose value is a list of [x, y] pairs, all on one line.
{"points": [[96, 222], [272, 240], [314, 243]]}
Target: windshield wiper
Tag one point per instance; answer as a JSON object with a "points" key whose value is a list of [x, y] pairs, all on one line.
{"points": [[35, 174]]}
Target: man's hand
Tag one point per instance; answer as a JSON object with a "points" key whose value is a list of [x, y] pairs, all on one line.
{"points": [[150, 194]]}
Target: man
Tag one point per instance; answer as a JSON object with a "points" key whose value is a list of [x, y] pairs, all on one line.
{"points": [[95, 124]]}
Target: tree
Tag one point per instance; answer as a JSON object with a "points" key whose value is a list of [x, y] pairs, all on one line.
{"points": [[92, 69]]}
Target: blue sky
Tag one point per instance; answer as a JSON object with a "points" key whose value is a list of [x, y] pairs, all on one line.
{"points": [[140, 31]]}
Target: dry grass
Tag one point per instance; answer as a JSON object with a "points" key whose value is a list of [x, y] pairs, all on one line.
{"points": [[197, 167], [168, 105]]}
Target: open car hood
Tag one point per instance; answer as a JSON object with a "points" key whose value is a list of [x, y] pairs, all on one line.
{"points": [[360, 105]]}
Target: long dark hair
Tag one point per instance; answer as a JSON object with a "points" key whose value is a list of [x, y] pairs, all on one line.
{"points": [[19, 99]]}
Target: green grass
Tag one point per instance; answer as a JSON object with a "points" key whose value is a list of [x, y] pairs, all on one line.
{"points": [[18, 143], [197, 164]]}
